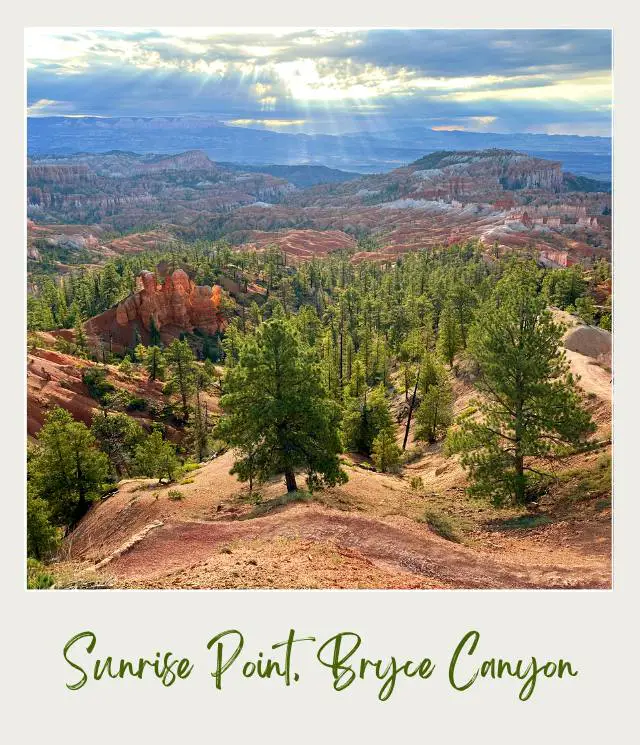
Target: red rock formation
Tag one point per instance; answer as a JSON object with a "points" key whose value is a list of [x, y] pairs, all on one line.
{"points": [[178, 305]]}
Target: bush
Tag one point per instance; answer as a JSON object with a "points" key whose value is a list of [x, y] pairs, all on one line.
{"points": [[416, 483], [442, 525], [95, 378], [188, 466], [136, 404], [411, 455], [175, 495], [37, 577]]}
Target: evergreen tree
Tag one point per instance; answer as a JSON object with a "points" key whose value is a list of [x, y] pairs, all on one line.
{"points": [[531, 409], [277, 409], [80, 336], [364, 418], [67, 469], [449, 341], [110, 286], [154, 334], [154, 363], [182, 371], [126, 367], [157, 458], [385, 451], [463, 302], [435, 412], [43, 538], [118, 435], [586, 309]]}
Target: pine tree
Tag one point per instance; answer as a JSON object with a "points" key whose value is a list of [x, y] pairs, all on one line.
{"points": [[157, 458], [586, 309], [110, 286], [67, 468], [277, 409], [463, 302], [154, 363], [531, 409], [449, 340], [182, 371], [118, 435], [385, 451], [364, 418], [43, 538], [126, 367], [154, 334], [435, 412], [80, 336]]}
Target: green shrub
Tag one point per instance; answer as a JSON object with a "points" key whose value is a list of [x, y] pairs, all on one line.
{"points": [[411, 455], [262, 508], [95, 378], [188, 466], [442, 525], [37, 577], [175, 495], [416, 483], [136, 404], [465, 413]]}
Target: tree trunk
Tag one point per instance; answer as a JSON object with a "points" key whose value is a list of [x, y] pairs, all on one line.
{"points": [[411, 406], [520, 484], [290, 479]]}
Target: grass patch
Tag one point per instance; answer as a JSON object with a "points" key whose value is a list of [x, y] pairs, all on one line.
{"points": [[412, 455], [581, 484], [443, 525], [38, 578], [263, 508], [175, 495], [188, 467], [466, 413], [416, 483], [524, 522], [187, 481]]}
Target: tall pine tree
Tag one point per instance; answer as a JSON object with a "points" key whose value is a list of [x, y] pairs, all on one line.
{"points": [[530, 408]]}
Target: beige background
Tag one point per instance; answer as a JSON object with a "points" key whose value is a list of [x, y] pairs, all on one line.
{"points": [[594, 629]]}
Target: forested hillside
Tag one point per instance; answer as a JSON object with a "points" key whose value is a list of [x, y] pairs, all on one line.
{"points": [[436, 382]]}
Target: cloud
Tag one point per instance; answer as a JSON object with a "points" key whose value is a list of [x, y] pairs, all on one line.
{"points": [[339, 79]]}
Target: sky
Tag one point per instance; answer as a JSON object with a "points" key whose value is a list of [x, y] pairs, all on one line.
{"points": [[329, 81]]}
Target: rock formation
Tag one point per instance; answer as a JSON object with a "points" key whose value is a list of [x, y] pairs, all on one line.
{"points": [[175, 306]]}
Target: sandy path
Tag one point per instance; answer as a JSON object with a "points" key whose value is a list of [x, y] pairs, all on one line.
{"points": [[593, 378], [396, 543]]}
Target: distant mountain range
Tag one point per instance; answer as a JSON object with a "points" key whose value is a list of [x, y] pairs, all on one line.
{"points": [[379, 152]]}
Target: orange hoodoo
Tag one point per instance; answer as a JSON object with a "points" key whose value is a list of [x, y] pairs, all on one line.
{"points": [[176, 306]]}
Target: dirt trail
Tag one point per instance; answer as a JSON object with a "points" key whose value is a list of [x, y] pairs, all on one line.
{"points": [[594, 379], [395, 543]]}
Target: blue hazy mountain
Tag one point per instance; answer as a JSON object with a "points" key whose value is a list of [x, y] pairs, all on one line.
{"points": [[360, 152]]}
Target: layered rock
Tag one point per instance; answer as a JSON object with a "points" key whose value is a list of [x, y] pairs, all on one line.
{"points": [[175, 306]]}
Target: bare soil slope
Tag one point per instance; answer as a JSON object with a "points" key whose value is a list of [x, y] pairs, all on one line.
{"points": [[370, 532]]}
